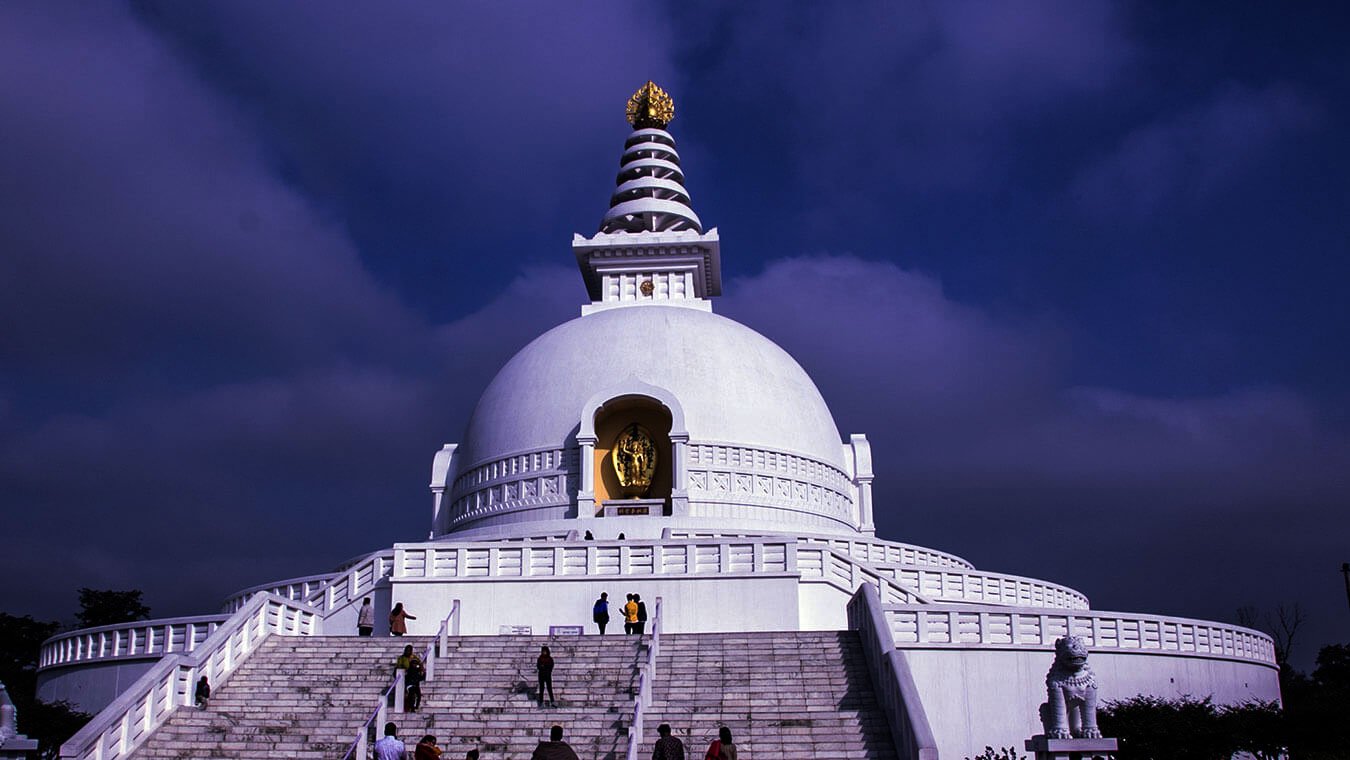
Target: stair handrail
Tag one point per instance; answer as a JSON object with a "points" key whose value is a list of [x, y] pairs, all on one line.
{"points": [[860, 574], [360, 748], [895, 688], [646, 681], [324, 581], [438, 646], [133, 716]]}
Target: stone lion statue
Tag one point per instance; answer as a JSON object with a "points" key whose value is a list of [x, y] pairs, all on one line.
{"points": [[1071, 708]]}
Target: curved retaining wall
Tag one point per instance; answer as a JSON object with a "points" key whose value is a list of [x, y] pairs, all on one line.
{"points": [[976, 697], [90, 667], [980, 672]]}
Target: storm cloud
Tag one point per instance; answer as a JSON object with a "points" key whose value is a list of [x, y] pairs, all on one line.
{"points": [[1077, 284]]}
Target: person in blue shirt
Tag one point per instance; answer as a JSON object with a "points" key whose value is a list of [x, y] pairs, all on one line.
{"points": [[600, 613], [390, 747]]}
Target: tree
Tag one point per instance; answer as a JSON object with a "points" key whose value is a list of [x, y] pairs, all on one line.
{"points": [[110, 607], [1317, 707], [1333, 668], [49, 722], [1282, 626], [1259, 729], [1153, 728], [52, 723], [20, 640]]}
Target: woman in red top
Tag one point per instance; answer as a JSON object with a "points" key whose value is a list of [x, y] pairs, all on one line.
{"points": [[396, 625], [427, 749], [722, 747]]}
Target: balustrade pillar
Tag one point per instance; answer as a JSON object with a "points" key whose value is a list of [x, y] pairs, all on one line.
{"points": [[586, 486], [679, 484], [866, 524]]}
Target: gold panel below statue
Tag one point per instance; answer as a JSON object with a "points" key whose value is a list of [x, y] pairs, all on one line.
{"points": [[634, 458]]}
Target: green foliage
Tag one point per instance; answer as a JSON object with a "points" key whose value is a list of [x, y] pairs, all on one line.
{"points": [[1006, 753], [110, 607], [20, 640], [51, 723], [1152, 728], [1257, 728]]}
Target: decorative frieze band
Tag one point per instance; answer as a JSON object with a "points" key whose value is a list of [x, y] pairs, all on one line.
{"points": [[770, 477], [531, 479]]}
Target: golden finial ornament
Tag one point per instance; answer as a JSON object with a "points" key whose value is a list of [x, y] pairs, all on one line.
{"points": [[650, 107]]}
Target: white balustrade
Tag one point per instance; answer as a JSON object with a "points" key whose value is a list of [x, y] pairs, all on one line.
{"points": [[156, 638], [822, 564], [872, 550], [936, 575], [351, 581], [973, 627], [490, 561], [145, 639], [979, 587], [121, 726], [896, 691], [667, 557]]}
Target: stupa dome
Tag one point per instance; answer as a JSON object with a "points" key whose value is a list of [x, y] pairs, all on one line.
{"points": [[732, 384], [742, 435]]}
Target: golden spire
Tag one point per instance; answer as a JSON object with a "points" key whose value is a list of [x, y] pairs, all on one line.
{"points": [[650, 107]]}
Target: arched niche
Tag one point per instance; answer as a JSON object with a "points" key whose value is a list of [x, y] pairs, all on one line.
{"points": [[604, 416], [610, 421]]}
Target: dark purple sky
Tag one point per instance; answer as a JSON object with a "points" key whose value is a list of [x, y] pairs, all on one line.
{"points": [[1077, 269]]}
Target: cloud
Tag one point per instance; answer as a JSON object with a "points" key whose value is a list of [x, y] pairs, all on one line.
{"points": [[925, 96], [424, 126], [956, 391], [1188, 157], [985, 446], [242, 482], [136, 202]]}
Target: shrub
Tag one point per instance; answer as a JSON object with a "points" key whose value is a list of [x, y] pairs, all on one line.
{"points": [[1006, 753]]}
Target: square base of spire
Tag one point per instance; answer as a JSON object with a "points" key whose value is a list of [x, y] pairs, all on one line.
{"points": [[632, 268]]}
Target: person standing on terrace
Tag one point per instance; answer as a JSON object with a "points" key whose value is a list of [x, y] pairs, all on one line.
{"points": [[397, 626], [365, 618]]}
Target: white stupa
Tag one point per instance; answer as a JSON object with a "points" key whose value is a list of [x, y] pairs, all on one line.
{"points": [[652, 446]]}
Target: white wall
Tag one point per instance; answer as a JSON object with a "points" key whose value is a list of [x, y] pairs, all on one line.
{"points": [[89, 687], [823, 607], [991, 697], [766, 602]]}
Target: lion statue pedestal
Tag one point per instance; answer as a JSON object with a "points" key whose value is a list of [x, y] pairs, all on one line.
{"points": [[1069, 713]]}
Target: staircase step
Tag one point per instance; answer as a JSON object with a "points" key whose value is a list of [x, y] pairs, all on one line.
{"points": [[783, 694]]}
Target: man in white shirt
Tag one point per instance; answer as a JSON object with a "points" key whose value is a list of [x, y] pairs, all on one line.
{"points": [[390, 748], [365, 618]]}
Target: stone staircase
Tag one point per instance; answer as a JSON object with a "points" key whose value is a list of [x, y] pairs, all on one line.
{"points": [[306, 697], [783, 695], [484, 696], [296, 697]]}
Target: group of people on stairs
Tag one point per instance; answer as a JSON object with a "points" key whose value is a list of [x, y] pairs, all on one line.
{"points": [[634, 613], [667, 747], [392, 748], [365, 619]]}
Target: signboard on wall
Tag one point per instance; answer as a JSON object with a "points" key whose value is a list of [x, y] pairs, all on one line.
{"points": [[515, 630], [565, 630]]}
